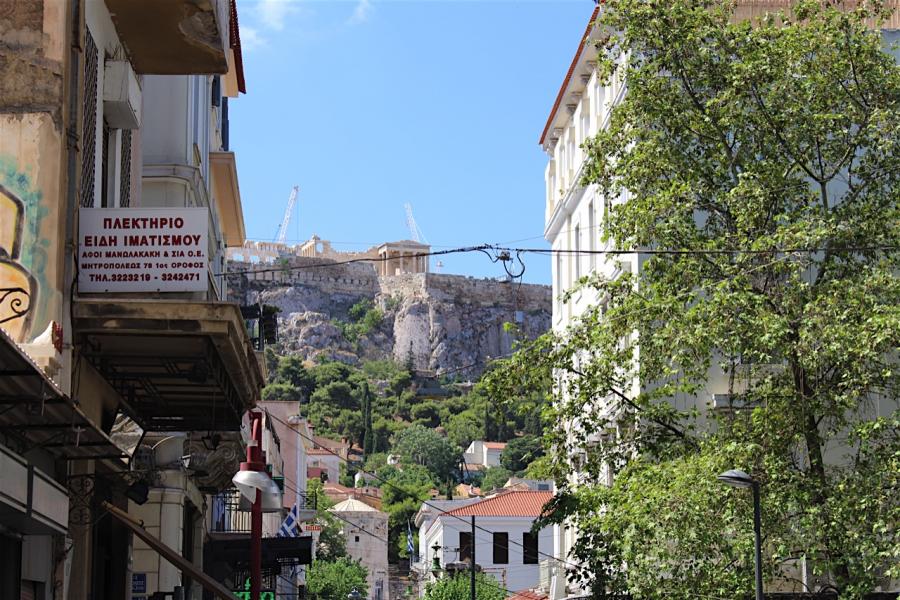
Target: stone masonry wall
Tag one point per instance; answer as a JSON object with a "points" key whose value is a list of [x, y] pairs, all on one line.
{"points": [[444, 323]]}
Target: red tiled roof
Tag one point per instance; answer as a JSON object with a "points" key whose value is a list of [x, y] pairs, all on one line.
{"points": [[320, 452], [495, 445], [517, 503], [528, 595], [325, 442], [565, 83]]}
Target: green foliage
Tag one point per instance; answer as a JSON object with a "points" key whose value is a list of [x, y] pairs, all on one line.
{"points": [[521, 451], [332, 544], [426, 414], [495, 478], [540, 468], [334, 579], [458, 588], [364, 319], [368, 429], [739, 148], [282, 392], [464, 428], [421, 446], [402, 497]]}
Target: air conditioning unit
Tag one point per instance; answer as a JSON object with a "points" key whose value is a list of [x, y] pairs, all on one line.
{"points": [[121, 95]]}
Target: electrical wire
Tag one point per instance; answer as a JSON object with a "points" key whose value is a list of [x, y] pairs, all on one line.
{"points": [[374, 535], [497, 253], [411, 495]]}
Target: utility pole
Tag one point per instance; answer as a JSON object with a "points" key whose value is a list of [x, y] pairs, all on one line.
{"points": [[472, 563]]}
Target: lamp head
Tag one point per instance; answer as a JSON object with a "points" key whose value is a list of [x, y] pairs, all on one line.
{"points": [[249, 482], [736, 478]]}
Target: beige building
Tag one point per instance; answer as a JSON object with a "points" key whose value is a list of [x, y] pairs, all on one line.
{"points": [[366, 529], [389, 259], [114, 113]]}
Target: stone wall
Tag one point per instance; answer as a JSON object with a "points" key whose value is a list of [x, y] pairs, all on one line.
{"points": [[443, 323]]}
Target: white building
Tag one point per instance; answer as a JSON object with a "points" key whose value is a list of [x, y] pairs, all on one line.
{"points": [[486, 454], [504, 545], [575, 215], [366, 530]]}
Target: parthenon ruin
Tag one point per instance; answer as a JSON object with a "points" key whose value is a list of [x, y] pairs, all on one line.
{"points": [[390, 258]]}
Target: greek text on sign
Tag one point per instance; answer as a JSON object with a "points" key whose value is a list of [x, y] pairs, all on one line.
{"points": [[143, 250]]}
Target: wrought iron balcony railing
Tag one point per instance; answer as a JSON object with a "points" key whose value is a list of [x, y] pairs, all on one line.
{"points": [[231, 514]]}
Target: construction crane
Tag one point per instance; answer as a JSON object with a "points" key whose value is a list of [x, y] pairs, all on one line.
{"points": [[283, 228], [414, 230]]}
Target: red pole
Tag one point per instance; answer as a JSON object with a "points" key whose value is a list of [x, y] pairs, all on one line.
{"points": [[255, 462], [256, 548]]}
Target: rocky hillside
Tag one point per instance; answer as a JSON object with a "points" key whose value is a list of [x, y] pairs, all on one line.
{"points": [[439, 323]]}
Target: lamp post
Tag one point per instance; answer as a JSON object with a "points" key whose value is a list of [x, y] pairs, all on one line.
{"points": [[257, 487], [737, 478]]}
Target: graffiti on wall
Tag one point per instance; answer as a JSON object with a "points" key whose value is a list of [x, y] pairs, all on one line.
{"points": [[23, 252]]}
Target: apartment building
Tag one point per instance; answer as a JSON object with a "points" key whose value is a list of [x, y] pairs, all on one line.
{"points": [[575, 217], [118, 197]]}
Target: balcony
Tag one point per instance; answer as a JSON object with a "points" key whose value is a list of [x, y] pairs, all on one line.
{"points": [[176, 365], [175, 37], [231, 512], [227, 552]]}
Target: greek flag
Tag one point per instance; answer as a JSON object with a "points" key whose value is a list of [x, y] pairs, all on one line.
{"points": [[410, 547], [291, 522]]}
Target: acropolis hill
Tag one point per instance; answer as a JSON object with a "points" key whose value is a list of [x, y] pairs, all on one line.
{"points": [[445, 323]]}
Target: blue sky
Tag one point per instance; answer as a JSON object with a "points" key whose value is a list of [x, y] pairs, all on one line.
{"points": [[370, 104]]}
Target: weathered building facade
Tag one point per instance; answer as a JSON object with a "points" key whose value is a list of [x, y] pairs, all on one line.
{"points": [[113, 121]]}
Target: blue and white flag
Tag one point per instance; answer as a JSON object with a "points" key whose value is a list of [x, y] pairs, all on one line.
{"points": [[291, 523], [410, 547]]}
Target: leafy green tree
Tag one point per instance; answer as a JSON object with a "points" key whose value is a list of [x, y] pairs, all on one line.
{"points": [[458, 588], [421, 446], [540, 468], [520, 451], [761, 166], [426, 414], [336, 394], [463, 428], [291, 370], [332, 544], [368, 429], [402, 496], [495, 478], [330, 372], [282, 392], [334, 579]]}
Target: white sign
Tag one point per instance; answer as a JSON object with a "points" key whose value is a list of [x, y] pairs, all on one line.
{"points": [[143, 250]]}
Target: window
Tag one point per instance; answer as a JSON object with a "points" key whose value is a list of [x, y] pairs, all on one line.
{"points": [[356, 539], [529, 548], [125, 170], [577, 256], [501, 548], [89, 121], [465, 546], [592, 235], [559, 276]]}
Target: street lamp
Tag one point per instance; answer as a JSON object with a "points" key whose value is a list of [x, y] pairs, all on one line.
{"points": [[257, 487], [739, 479], [436, 561]]}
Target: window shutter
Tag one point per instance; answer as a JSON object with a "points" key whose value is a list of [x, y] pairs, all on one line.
{"points": [[89, 120], [125, 170]]}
